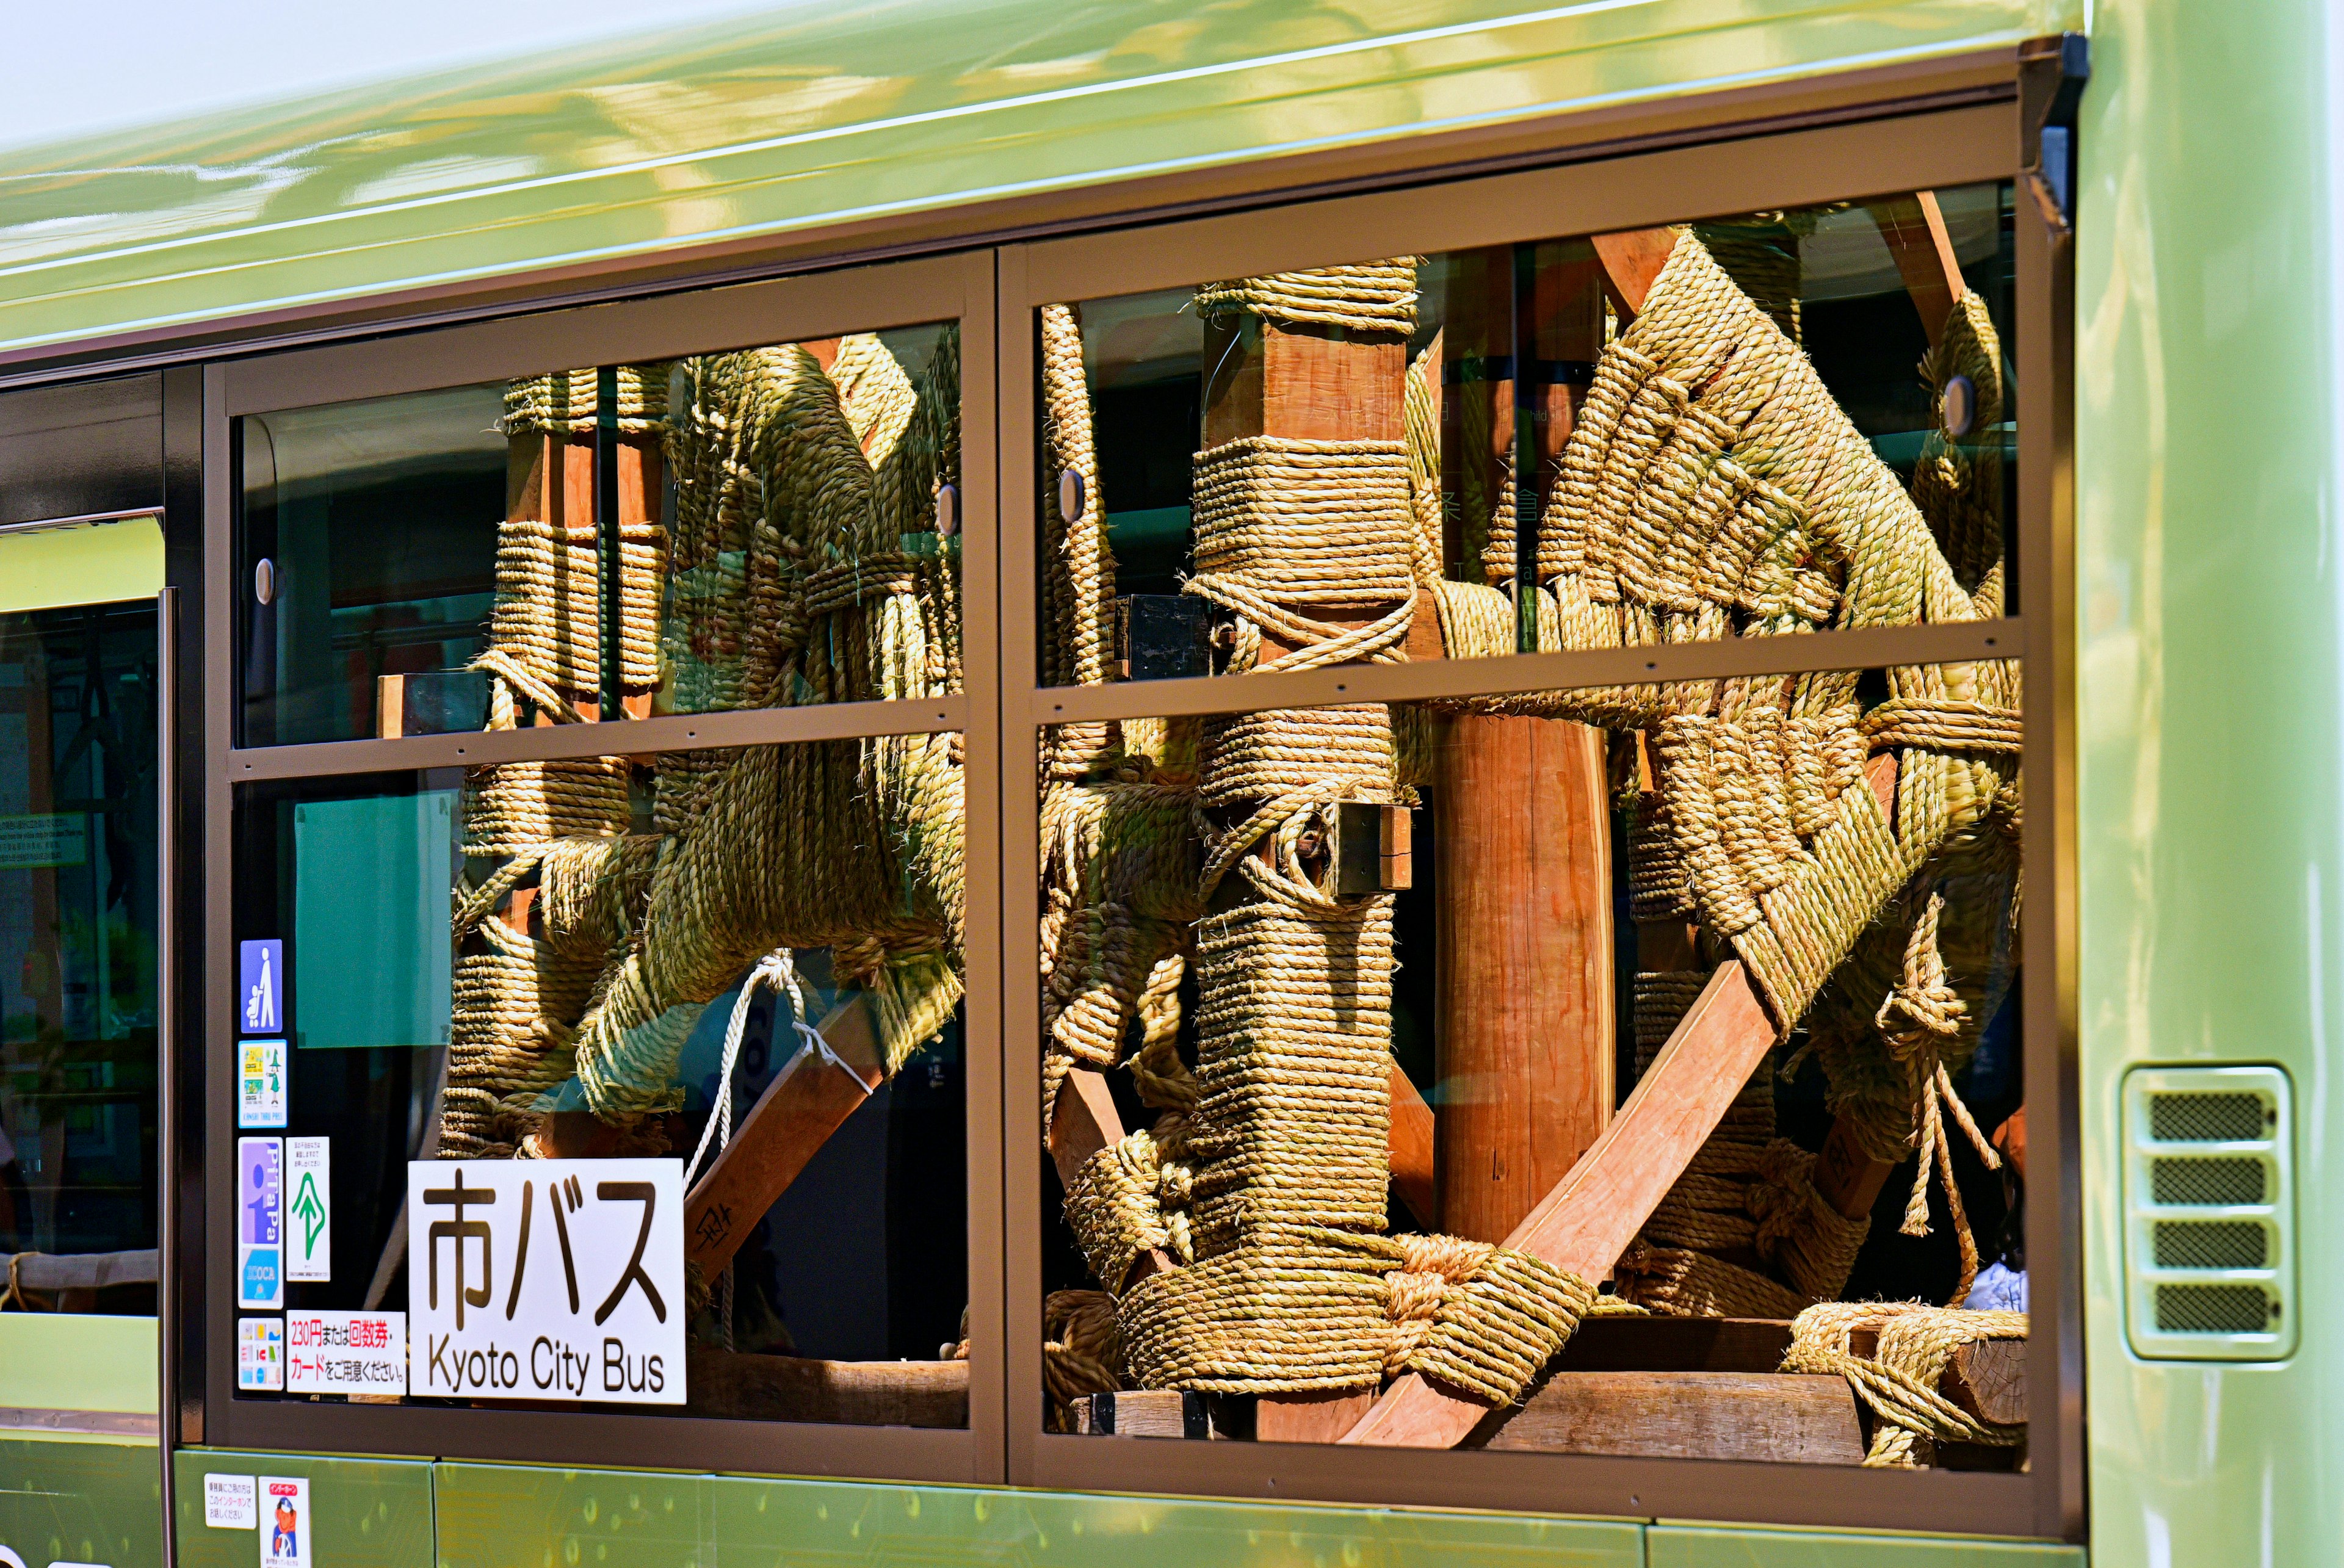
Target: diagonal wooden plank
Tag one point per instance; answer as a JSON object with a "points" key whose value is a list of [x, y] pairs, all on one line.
{"points": [[1914, 228], [809, 1100], [1588, 1221]]}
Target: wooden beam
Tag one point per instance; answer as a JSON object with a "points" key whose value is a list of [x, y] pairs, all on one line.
{"points": [[1144, 1412], [1632, 259], [1779, 1417], [1987, 1378], [1321, 1416], [807, 1101], [1589, 1218], [1627, 1342], [1413, 1145], [729, 1384], [1524, 1025], [1083, 1121], [1847, 1177], [1305, 384], [1914, 228]]}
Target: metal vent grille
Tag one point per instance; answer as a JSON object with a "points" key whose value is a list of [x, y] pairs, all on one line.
{"points": [[2212, 1310], [2199, 1182], [2205, 1118], [2210, 1214], [2211, 1244]]}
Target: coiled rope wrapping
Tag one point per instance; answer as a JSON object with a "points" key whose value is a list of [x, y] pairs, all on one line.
{"points": [[1285, 525], [1272, 1188], [1745, 1189], [853, 846], [1957, 482], [1898, 1382]]}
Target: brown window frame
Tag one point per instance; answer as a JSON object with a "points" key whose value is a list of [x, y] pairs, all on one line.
{"points": [[1777, 170], [948, 288], [1917, 125]]}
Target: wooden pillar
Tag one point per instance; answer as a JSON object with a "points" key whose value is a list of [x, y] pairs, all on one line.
{"points": [[1307, 383], [1525, 1027]]}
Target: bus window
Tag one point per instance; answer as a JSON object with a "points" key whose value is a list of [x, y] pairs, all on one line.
{"points": [[589, 543], [1370, 461], [79, 982]]}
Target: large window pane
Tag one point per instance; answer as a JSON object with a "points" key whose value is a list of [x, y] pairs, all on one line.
{"points": [[684, 536], [718, 993], [79, 981], [1771, 422], [1335, 1000]]}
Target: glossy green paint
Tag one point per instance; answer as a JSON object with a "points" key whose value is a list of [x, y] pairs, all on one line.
{"points": [[519, 1516], [2210, 578], [72, 1360], [515, 1516], [819, 114], [364, 1513], [91, 564], [1681, 1546], [93, 1503]]}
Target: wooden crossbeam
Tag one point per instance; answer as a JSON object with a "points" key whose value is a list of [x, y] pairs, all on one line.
{"points": [[1785, 1418], [1632, 259], [808, 1100], [1591, 1216], [1913, 227]]}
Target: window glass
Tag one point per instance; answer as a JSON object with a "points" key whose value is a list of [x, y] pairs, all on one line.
{"points": [[1772, 422], [668, 1115], [79, 964], [686, 536], [1335, 1000]]}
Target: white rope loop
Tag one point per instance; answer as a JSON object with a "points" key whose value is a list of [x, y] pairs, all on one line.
{"points": [[778, 971]]}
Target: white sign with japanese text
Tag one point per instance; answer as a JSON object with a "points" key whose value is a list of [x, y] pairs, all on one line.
{"points": [[546, 1280], [308, 1212], [346, 1353], [227, 1502]]}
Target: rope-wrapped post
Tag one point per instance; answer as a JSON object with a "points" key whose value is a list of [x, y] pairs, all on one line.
{"points": [[1304, 533], [1525, 1027]]}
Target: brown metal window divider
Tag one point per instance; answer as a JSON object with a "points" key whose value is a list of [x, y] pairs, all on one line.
{"points": [[1893, 154], [958, 288]]}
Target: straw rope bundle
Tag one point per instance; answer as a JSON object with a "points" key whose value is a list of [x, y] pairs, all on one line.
{"points": [[1957, 482], [1745, 1190], [787, 584], [1266, 1180], [1712, 488], [1898, 1381]]}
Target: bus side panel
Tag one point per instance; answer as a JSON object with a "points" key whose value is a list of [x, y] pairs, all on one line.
{"points": [[364, 1513], [86, 1500], [2210, 715], [1677, 1547]]}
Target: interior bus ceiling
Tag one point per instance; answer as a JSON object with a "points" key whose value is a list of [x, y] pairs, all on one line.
{"points": [[824, 117]]}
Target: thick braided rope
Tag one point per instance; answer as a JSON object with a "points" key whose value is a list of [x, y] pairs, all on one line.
{"points": [[547, 617], [1377, 298], [1899, 1380], [1745, 1189], [1422, 408], [515, 1000], [1283, 527], [567, 403], [1082, 1349], [1957, 482], [820, 844]]}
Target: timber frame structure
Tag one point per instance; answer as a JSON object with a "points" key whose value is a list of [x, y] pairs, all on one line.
{"points": [[1910, 127]]}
